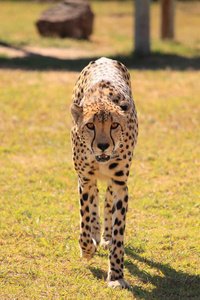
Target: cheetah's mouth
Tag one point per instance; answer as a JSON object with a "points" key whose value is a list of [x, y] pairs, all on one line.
{"points": [[102, 158]]}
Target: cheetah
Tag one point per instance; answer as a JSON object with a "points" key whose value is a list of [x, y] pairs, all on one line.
{"points": [[103, 137]]}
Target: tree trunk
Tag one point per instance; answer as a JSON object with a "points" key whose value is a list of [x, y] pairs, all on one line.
{"points": [[167, 19], [142, 27]]}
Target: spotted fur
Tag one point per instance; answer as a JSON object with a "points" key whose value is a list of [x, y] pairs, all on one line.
{"points": [[103, 138]]}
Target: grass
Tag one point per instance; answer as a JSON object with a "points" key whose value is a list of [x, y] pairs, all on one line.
{"points": [[39, 221]]}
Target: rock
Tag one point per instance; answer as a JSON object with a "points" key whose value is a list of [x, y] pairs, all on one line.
{"points": [[70, 18]]}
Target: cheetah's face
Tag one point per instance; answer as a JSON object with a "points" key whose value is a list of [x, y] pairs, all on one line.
{"points": [[101, 127], [102, 138]]}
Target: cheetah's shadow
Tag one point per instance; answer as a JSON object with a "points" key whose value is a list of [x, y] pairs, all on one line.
{"points": [[170, 284]]}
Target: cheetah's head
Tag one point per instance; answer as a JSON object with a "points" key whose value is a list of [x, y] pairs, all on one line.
{"points": [[101, 125]]}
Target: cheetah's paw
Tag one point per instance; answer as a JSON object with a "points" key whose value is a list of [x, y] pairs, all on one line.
{"points": [[118, 283], [106, 243], [90, 253]]}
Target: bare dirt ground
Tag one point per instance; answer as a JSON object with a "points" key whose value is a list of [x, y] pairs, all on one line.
{"points": [[50, 52]]}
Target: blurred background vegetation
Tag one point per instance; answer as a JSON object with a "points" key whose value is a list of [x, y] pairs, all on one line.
{"points": [[113, 36]]}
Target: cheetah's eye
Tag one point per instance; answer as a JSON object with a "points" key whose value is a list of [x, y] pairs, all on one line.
{"points": [[114, 125], [90, 126]]}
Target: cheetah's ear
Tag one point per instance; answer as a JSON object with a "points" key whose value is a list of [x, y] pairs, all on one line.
{"points": [[76, 112], [125, 105]]}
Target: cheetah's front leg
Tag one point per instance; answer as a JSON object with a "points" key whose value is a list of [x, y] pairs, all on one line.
{"points": [[106, 239], [116, 257], [88, 201], [95, 217]]}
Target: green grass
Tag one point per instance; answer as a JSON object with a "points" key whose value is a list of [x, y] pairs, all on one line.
{"points": [[39, 210]]}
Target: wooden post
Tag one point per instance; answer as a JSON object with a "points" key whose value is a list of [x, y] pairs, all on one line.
{"points": [[167, 19], [142, 27]]}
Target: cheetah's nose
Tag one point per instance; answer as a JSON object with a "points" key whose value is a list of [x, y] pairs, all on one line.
{"points": [[103, 146]]}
